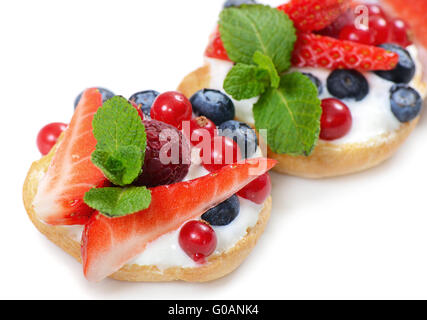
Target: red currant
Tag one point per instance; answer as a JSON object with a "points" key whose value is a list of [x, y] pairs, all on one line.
{"points": [[336, 120], [221, 152], [49, 135], [380, 29], [198, 240], [140, 113], [172, 108], [351, 33], [201, 128], [399, 32], [258, 190], [376, 10]]}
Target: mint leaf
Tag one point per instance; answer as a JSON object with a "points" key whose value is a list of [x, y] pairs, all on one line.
{"points": [[252, 28], [121, 141], [265, 62], [291, 114], [121, 166], [246, 81], [118, 202]]}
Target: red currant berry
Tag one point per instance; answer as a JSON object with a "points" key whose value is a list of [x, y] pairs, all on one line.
{"points": [[336, 120], [376, 10], [140, 113], [49, 135], [198, 240], [258, 190], [222, 151], [380, 29], [201, 128], [351, 33], [172, 108], [399, 32]]}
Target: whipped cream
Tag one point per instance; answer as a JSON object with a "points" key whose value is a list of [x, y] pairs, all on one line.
{"points": [[372, 117], [165, 252]]}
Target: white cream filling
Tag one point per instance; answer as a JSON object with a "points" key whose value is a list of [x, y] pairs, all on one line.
{"points": [[165, 252], [372, 117]]}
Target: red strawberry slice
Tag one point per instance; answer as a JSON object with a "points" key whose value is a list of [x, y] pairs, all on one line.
{"points": [[59, 199], [313, 50], [108, 244], [215, 47], [310, 15]]}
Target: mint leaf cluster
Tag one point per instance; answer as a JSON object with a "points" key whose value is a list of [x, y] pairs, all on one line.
{"points": [[260, 40], [120, 151], [121, 141]]}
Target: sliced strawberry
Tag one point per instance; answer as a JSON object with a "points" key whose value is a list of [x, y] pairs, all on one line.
{"points": [[59, 198], [313, 50], [310, 15], [215, 47], [107, 243]]}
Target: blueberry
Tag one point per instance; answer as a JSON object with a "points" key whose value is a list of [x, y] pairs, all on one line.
{"points": [[214, 105], [316, 82], [144, 99], [405, 69], [405, 102], [242, 134], [224, 213], [106, 94], [350, 84], [237, 3]]}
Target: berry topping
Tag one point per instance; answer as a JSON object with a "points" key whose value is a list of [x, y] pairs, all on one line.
{"points": [[59, 198], [108, 244], [144, 100], [140, 113], [351, 33], [172, 108], [336, 120], [215, 48], [316, 81], [214, 105], [106, 94], [237, 3], [221, 152], [376, 10], [405, 102], [242, 134], [345, 19], [258, 190], [348, 84], [319, 51], [224, 213], [380, 29], [309, 15], [167, 156], [48, 136], [200, 128], [198, 240], [414, 13], [399, 32], [404, 70]]}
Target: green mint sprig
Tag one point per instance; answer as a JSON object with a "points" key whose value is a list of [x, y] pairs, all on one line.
{"points": [[260, 39], [119, 154]]}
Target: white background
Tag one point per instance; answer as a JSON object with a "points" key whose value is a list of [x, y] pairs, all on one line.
{"points": [[361, 236]]}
